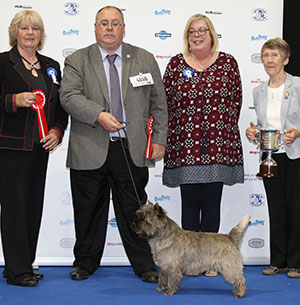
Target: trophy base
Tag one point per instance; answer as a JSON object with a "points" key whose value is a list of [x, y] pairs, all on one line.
{"points": [[266, 171]]}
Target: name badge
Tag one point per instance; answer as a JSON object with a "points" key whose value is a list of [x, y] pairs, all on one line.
{"points": [[141, 80]]}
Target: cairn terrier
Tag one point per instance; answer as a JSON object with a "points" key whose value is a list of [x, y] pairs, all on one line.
{"points": [[176, 251]]}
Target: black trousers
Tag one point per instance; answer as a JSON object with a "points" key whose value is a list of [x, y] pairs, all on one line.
{"points": [[91, 197], [283, 196], [22, 185], [201, 206]]}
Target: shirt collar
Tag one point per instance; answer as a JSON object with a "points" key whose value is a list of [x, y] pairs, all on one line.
{"points": [[104, 53]]}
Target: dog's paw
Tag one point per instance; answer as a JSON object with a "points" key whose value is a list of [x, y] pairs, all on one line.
{"points": [[238, 296], [160, 288], [169, 292]]}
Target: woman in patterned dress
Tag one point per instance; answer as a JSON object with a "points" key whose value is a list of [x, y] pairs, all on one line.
{"points": [[204, 149]]}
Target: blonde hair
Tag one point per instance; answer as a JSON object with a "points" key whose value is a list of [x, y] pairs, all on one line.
{"points": [[277, 44], [33, 17], [212, 33]]}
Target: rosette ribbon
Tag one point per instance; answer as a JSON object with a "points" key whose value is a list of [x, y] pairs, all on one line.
{"points": [[38, 106], [149, 134]]}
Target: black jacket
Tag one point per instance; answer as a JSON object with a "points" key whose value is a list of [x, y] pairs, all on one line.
{"points": [[17, 124]]}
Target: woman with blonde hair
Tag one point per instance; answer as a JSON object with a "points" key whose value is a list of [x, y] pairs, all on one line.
{"points": [[204, 149], [32, 124]]}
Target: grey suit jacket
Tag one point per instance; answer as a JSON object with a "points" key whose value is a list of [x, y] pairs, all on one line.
{"points": [[290, 109], [84, 95]]}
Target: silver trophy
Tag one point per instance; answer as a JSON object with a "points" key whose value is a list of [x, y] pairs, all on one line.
{"points": [[269, 141]]}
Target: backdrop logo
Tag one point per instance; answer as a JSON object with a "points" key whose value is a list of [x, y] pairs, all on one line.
{"points": [[66, 198], [219, 36], [67, 52], [162, 198], [257, 81], [66, 222], [23, 7], [256, 58], [162, 12], [163, 56], [163, 35], [71, 32], [257, 200], [67, 242], [71, 9], [256, 223], [260, 14], [250, 177], [256, 243], [259, 37], [113, 222], [111, 244], [213, 13]]}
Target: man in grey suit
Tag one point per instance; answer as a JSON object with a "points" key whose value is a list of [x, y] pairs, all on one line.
{"points": [[95, 155]]}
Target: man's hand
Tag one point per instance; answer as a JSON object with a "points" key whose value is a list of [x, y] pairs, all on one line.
{"points": [[109, 122]]}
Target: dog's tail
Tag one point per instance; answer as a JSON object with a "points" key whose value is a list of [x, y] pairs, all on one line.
{"points": [[237, 233]]}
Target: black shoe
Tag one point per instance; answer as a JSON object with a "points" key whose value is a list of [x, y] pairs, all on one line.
{"points": [[28, 281], [37, 276], [149, 276], [78, 274]]}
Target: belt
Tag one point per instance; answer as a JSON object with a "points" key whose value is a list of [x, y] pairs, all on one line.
{"points": [[115, 139]]}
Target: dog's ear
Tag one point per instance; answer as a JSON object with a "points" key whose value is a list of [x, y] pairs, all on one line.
{"points": [[149, 202], [159, 210]]}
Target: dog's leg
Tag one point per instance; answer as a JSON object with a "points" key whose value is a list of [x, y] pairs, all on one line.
{"points": [[174, 281], [162, 281], [240, 287], [238, 281]]}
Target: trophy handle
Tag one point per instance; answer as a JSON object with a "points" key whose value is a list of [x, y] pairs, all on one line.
{"points": [[257, 140], [280, 142]]}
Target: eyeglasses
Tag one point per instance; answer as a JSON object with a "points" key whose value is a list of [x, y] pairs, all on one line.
{"points": [[105, 24], [201, 31], [274, 56]]}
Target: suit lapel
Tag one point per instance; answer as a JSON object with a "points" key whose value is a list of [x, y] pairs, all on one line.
{"points": [[286, 99], [263, 103], [126, 63], [97, 64], [18, 65], [44, 66]]}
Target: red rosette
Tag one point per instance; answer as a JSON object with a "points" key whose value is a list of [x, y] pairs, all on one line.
{"points": [[38, 106], [149, 134]]}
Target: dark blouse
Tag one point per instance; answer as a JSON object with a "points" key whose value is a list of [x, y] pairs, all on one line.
{"points": [[204, 109]]}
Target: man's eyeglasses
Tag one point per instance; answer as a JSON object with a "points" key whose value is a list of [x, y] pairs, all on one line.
{"points": [[274, 56], [105, 24], [201, 32]]}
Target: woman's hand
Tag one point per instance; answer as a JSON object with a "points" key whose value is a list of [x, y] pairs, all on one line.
{"points": [[158, 151], [290, 135], [51, 141], [251, 132], [25, 99]]}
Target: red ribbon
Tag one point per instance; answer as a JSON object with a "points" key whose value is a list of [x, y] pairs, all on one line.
{"points": [[149, 134], [38, 106]]}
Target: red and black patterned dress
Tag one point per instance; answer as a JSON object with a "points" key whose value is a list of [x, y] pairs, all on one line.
{"points": [[204, 143]]}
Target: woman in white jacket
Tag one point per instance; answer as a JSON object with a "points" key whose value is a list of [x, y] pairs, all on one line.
{"points": [[277, 106]]}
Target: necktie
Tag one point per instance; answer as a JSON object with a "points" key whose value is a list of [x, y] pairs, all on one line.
{"points": [[115, 92]]}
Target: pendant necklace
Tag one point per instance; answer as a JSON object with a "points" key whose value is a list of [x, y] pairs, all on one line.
{"points": [[32, 65]]}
